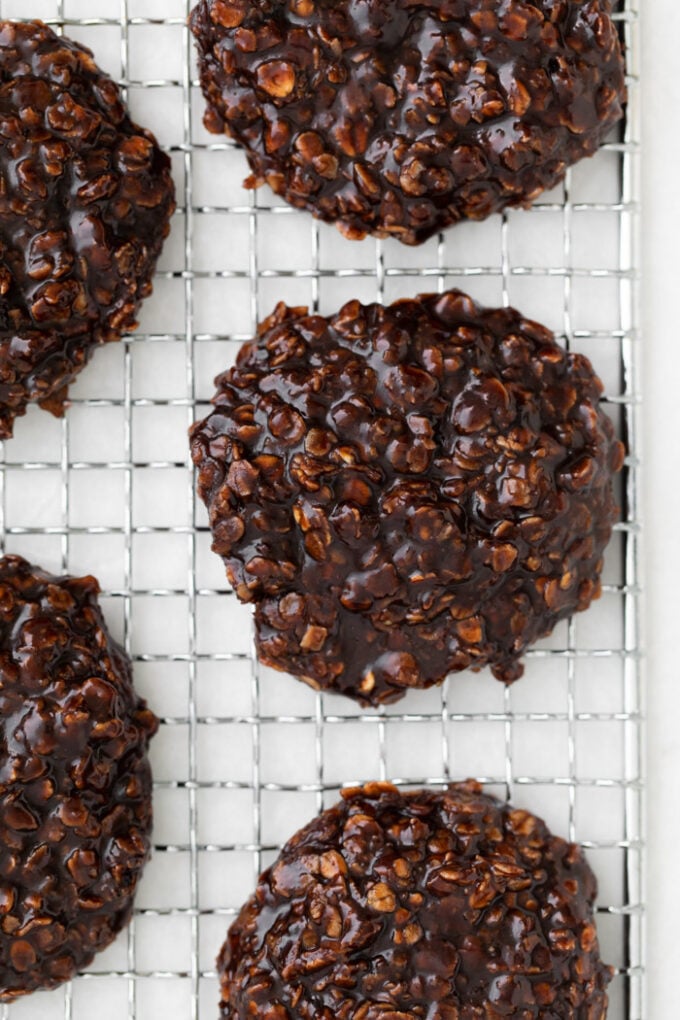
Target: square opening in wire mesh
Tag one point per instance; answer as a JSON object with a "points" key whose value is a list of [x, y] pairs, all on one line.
{"points": [[245, 756]]}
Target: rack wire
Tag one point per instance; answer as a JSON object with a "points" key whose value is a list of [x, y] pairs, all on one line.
{"points": [[245, 756]]}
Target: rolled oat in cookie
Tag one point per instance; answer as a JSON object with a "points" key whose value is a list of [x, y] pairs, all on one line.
{"points": [[85, 203], [75, 782], [400, 117], [427, 905], [407, 491]]}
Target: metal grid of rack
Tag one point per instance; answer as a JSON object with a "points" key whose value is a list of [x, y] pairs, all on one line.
{"points": [[244, 756]]}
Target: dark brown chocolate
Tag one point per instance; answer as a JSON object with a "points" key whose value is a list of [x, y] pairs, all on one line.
{"points": [[407, 491], [75, 783], [85, 202], [425, 905], [401, 117]]}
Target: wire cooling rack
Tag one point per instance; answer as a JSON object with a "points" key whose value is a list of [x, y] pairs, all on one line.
{"points": [[244, 756]]}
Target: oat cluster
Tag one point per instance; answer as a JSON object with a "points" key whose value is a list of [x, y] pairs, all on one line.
{"points": [[407, 491], [75, 784], [418, 906], [400, 117], [85, 201]]}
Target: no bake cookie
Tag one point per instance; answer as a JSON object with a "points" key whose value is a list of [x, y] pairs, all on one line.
{"points": [[75, 783], [406, 491], [85, 203], [443, 905], [400, 117]]}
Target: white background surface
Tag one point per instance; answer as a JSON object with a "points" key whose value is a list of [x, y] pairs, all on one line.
{"points": [[661, 268], [152, 367]]}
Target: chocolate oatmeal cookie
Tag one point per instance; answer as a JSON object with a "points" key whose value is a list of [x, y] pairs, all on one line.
{"points": [[441, 905], [85, 205], [400, 117], [407, 491], [75, 784]]}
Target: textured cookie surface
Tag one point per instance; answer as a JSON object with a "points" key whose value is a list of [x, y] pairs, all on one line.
{"points": [[450, 906], [75, 783], [85, 202], [400, 117], [407, 491]]}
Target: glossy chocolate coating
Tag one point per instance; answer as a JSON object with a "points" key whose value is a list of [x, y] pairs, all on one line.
{"points": [[85, 204], [443, 905], [75, 783], [401, 117], [407, 491]]}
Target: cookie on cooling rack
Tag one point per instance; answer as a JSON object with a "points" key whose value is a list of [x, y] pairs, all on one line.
{"points": [[442, 904], [85, 205], [398, 119], [407, 491], [75, 787]]}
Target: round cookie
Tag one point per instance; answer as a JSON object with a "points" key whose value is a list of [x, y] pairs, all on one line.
{"points": [[85, 205], [75, 784], [399, 118], [444, 905], [407, 491]]}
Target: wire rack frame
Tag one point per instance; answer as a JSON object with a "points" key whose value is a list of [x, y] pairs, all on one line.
{"points": [[191, 983]]}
